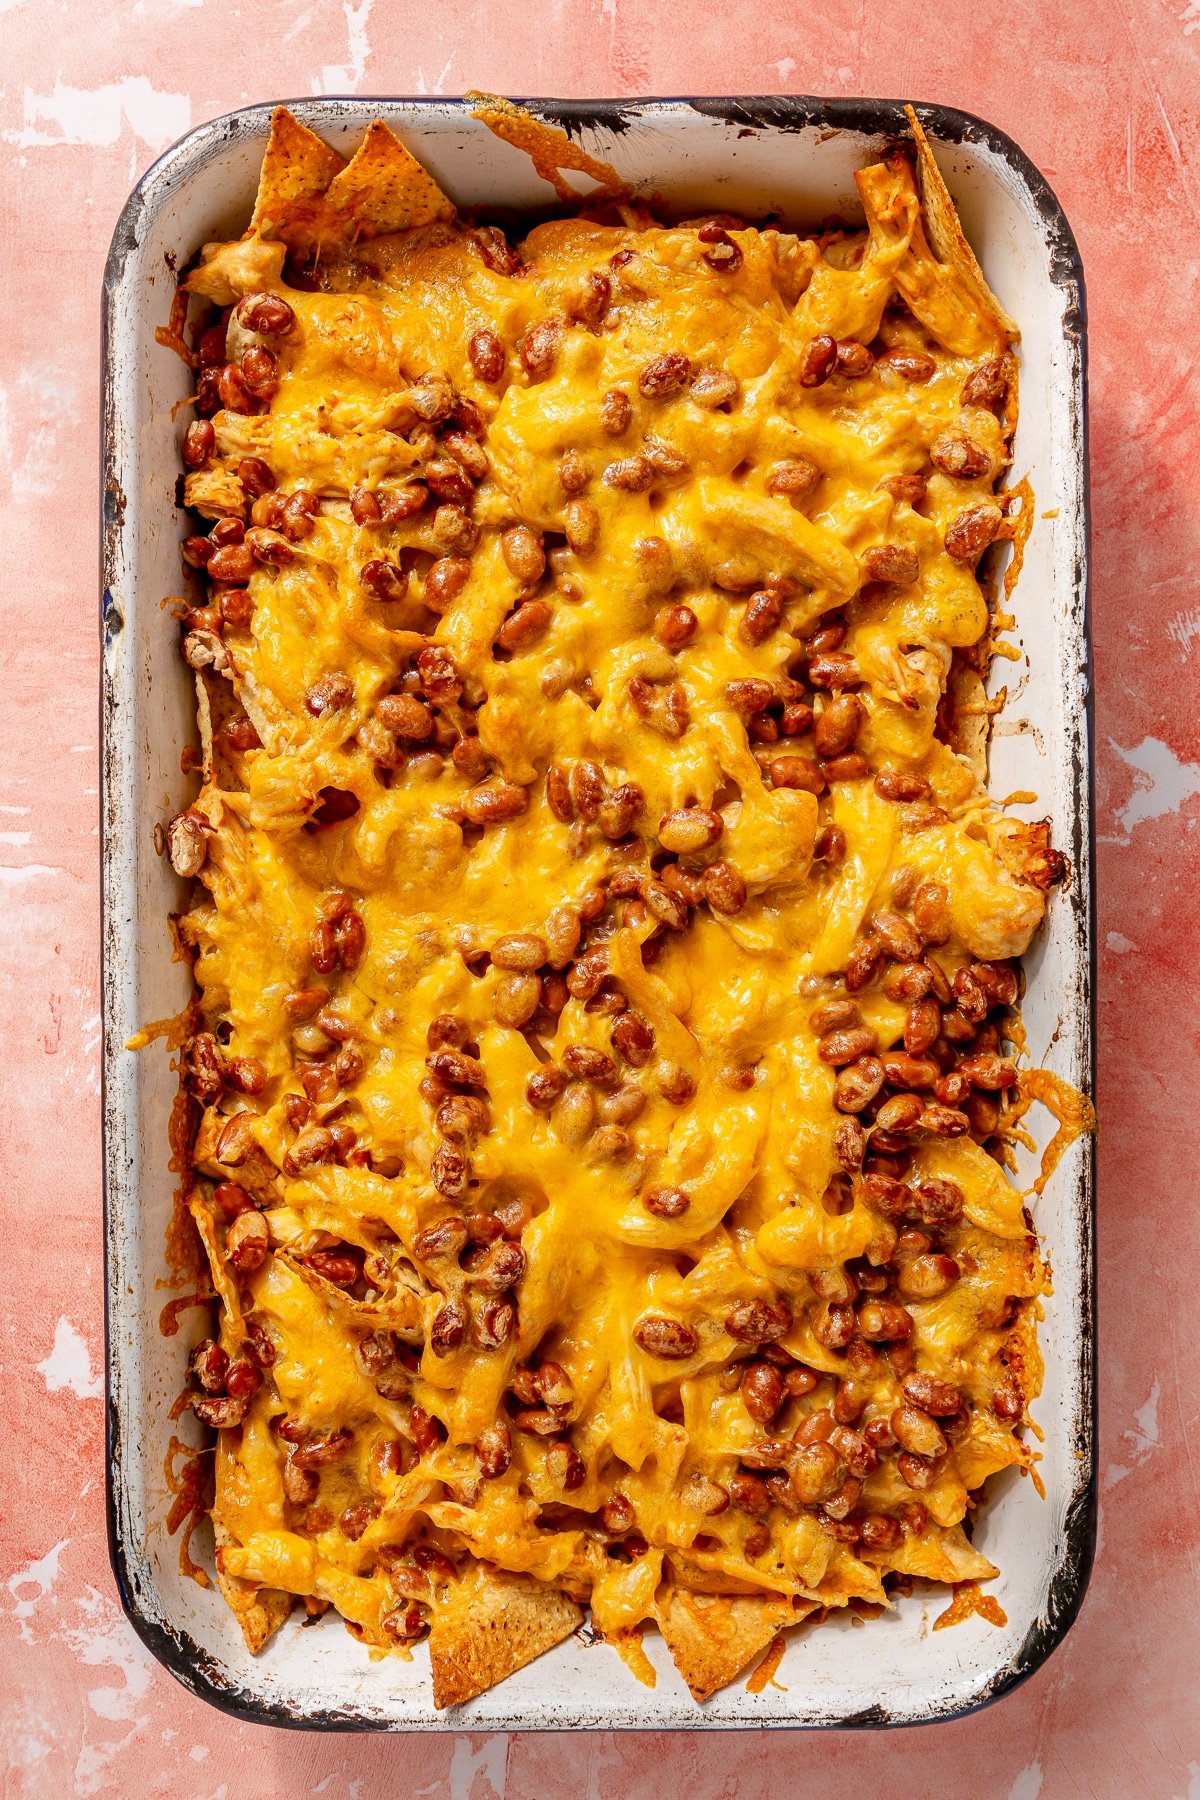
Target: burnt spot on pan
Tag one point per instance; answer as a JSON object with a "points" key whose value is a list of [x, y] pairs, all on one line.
{"points": [[577, 116]]}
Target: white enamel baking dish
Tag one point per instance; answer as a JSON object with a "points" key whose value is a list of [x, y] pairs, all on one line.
{"points": [[793, 158]]}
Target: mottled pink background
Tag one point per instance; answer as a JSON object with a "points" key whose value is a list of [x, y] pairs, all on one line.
{"points": [[1106, 99]]}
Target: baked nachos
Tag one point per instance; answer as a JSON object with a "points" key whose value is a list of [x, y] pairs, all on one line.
{"points": [[602, 1083]]}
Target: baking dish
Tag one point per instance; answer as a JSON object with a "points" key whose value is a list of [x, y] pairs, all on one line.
{"points": [[792, 158]]}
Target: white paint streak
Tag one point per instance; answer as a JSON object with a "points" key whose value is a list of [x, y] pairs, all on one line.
{"points": [[27, 871], [1189, 18], [344, 78], [41, 1575], [478, 1768], [1161, 783], [1144, 1438], [1118, 943], [1028, 1784], [106, 1639], [37, 410], [1193, 1791], [99, 115], [16, 838], [1176, 153], [1184, 626], [785, 67], [69, 1365], [439, 82]]}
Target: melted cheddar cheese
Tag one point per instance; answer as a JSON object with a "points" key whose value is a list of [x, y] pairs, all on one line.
{"points": [[596, 902]]}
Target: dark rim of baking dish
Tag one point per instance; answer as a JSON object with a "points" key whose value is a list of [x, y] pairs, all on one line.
{"points": [[198, 1671]]}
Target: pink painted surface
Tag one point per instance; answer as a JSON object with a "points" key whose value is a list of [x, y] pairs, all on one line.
{"points": [[1109, 108]]}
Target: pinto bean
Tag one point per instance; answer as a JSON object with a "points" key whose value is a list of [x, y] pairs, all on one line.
{"points": [[762, 1391], [797, 772], [763, 612], [794, 479], [199, 442], [854, 359], [834, 669], [894, 564], [944, 1121], [615, 412], [495, 802], [692, 829], [834, 1325], [664, 376], [633, 1039], [587, 1064], [909, 365], [857, 1084], [630, 474], [525, 626], [916, 1432], [617, 1515], [899, 1115], [838, 725], [912, 489], [818, 361], [712, 388], [449, 1328], [493, 1447], [758, 1321], [998, 981], [524, 552], [667, 907], [669, 1339], [995, 1074], [839, 1047], [574, 1113], [922, 1023], [676, 626], [463, 1118], [912, 1073], [724, 887], [882, 1322], [817, 1472], [971, 531], [455, 1067], [927, 1277], [1008, 1402], [986, 385], [932, 1395], [444, 581], [267, 314], [959, 456], [486, 353], [538, 348]]}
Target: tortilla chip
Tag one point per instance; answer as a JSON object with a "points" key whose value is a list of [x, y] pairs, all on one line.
{"points": [[946, 233], [257, 1174], [259, 1611], [297, 168], [215, 493], [401, 1312], [216, 704], [490, 1625], [384, 188], [940, 1555], [970, 718], [549, 149], [713, 1639], [325, 200], [1024, 848]]}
